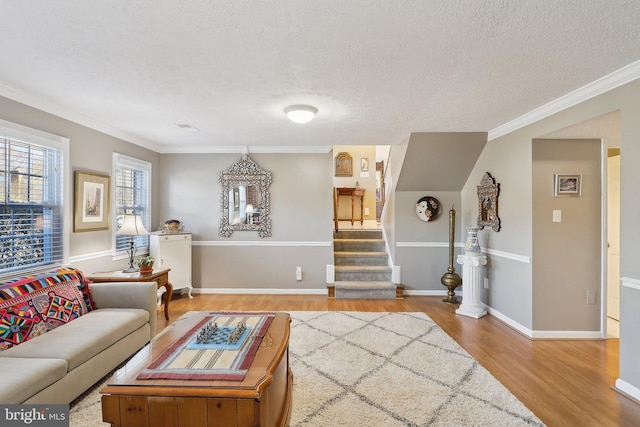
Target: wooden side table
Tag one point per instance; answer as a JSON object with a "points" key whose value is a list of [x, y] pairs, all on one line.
{"points": [[352, 192], [159, 276]]}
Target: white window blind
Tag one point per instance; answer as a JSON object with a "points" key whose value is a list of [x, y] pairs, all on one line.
{"points": [[132, 196], [31, 210]]}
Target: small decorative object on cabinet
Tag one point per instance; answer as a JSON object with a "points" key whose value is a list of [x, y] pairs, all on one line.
{"points": [[172, 226], [173, 250]]}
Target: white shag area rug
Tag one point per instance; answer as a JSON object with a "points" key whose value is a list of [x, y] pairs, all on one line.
{"points": [[377, 369]]}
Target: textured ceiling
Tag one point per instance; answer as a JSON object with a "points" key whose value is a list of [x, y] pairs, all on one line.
{"points": [[377, 70]]}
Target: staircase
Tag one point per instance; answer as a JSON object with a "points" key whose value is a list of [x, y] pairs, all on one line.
{"points": [[361, 266]]}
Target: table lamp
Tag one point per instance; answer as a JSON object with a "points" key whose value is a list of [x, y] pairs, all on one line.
{"points": [[249, 212], [132, 226]]}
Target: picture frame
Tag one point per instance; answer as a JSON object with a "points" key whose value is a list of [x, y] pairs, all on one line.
{"points": [[567, 185], [91, 202], [364, 164], [344, 164], [488, 192]]}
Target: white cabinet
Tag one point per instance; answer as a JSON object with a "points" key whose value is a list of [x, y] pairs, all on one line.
{"points": [[173, 251]]}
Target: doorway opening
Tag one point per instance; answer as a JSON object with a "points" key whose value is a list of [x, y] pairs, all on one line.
{"points": [[613, 243], [358, 186]]}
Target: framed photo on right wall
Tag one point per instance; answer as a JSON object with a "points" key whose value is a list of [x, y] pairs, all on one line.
{"points": [[568, 185]]}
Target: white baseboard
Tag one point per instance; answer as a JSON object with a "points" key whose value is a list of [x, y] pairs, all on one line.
{"points": [[512, 323], [551, 335], [567, 335], [258, 291], [627, 389], [425, 293]]}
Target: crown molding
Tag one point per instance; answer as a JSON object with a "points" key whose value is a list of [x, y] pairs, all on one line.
{"points": [[611, 81], [57, 110], [60, 111], [244, 149]]}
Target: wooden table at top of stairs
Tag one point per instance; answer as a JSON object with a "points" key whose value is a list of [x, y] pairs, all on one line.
{"points": [[352, 192], [263, 398], [159, 276]]}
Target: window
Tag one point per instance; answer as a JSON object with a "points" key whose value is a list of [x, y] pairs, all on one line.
{"points": [[32, 216], [132, 181]]}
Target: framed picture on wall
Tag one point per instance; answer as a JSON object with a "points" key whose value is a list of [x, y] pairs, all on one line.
{"points": [[364, 164], [344, 164], [91, 202], [568, 185]]}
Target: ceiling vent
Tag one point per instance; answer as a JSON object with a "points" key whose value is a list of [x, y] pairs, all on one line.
{"points": [[187, 127]]}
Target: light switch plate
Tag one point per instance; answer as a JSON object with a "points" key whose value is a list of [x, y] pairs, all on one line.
{"points": [[557, 215]]}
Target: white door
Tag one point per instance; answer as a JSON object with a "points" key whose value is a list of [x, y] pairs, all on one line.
{"points": [[613, 236]]}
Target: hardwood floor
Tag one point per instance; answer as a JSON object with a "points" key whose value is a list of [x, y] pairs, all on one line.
{"points": [[565, 383]]}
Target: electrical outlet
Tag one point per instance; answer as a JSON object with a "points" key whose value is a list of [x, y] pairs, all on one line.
{"points": [[486, 283], [557, 215], [591, 297], [366, 211], [298, 273]]}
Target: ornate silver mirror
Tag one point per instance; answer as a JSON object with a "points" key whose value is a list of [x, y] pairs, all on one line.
{"points": [[244, 205], [488, 192]]}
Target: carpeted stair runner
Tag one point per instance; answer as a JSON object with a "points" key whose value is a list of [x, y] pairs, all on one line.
{"points": [[361, 266], [366, 289]]}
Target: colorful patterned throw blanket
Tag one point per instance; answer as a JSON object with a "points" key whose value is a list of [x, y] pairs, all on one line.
{"points": [[198, 356]]}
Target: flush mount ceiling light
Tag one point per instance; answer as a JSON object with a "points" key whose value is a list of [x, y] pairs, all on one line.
{"points": [[301, 113]]}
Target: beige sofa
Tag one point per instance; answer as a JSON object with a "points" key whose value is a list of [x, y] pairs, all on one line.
{"points": [[61, 364]]}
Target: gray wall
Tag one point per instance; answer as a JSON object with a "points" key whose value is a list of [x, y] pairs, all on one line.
{"points": [[509, 265], [422, 248], [567, 253], [509, 159], [90, 151], [301, 217]]}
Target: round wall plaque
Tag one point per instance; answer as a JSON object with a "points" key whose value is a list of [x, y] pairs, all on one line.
{"points": [[428, 208]]}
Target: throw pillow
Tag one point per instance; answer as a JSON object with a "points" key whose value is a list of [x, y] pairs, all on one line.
{"points": [[71, 273], [33, 314], [24, 285]]}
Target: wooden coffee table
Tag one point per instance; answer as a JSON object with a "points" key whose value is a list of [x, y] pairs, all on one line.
{"points": [[262, 398]]}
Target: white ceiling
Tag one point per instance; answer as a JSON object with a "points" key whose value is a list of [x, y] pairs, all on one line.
{"points": [[377, 70]]}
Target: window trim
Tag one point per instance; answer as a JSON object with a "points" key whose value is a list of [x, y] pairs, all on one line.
{"points": [[38, 137], [123, 159]]}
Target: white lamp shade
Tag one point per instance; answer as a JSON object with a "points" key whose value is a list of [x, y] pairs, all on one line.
{"points": [[132, 226], [301, 113], [249, 209]]}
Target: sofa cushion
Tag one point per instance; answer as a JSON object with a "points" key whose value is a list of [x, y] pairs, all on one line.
{"points": [[22, 378], [39, 311], [80, 340]]}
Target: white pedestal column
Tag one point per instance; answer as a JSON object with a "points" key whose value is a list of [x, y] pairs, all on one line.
{"points": [[471, 285]]}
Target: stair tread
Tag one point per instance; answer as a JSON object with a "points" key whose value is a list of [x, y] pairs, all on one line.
{"points": [[362, 267], [348, 284], [359, 253], [359, 240]]}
